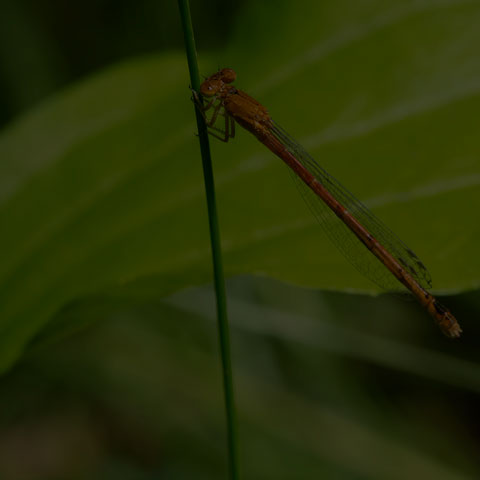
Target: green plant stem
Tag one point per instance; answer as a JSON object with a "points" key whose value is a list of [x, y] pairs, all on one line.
{"points": [[219, 281]]}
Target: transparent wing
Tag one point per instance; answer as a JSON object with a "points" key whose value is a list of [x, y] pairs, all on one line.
{"points": [[343, 238]]}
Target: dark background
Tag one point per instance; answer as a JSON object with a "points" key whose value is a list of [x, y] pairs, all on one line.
{"points": [[47, 45], [330, 384]]}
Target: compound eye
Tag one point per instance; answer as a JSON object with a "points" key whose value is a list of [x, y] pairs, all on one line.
{"points": [[209, 88], [228, 75]]}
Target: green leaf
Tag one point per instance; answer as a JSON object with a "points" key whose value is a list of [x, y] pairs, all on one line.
{"points": [[101, 187]]}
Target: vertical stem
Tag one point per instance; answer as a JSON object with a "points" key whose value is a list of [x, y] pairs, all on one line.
{"points": [[222, 320]]}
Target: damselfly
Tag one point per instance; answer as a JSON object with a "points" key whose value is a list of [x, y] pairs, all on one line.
{"points": [[366, 242]]}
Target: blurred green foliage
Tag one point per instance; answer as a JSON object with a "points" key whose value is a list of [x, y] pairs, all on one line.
{"points": [[103, 225], [328, 385], [49, 44]]}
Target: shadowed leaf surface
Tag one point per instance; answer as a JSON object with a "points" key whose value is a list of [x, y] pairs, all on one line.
{"points": [[101, 187]]}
